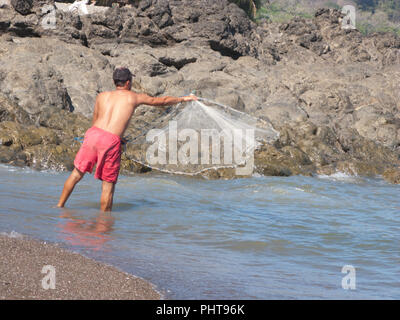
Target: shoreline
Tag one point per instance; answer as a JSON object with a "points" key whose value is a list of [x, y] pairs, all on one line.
{"points": [[76, 277]]}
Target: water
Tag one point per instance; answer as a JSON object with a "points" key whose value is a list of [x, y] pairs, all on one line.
{"points": [[257, 238]]}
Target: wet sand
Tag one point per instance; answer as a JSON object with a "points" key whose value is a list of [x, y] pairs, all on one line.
{"points": [[76, 276]]}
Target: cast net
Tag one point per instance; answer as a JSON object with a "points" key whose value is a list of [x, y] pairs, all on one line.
{"points": [[203, 135]]}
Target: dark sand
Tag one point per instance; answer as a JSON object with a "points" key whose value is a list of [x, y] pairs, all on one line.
{"points": [[77, 277]]}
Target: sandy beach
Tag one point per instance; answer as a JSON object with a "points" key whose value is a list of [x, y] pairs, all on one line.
{"points": [[76, 277]]}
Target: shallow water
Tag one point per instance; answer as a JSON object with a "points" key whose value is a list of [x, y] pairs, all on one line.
{"points": [[257, 238]]}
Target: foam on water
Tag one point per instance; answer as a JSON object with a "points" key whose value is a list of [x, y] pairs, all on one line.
{"points": [[339, 176], [12, 234], [29, 170]]}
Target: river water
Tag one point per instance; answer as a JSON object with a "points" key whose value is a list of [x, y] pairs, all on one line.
{"points": [[255, 238]]}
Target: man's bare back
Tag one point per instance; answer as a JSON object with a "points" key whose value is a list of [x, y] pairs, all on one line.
{"points": [[113, 110]]}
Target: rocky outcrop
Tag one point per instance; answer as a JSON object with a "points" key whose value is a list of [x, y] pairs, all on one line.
{"points": [[43, 73], [44, 140], [332, 93]]}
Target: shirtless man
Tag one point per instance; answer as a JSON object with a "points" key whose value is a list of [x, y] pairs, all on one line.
{"points": [[102, 143]]}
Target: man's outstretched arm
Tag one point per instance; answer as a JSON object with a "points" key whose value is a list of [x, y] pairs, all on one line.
{"points": [[162, 101]]}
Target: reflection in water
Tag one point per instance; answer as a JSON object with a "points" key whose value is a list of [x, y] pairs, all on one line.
{"points": [[91, 233]]}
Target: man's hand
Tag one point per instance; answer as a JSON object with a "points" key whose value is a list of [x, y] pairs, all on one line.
{"points": [[189, 98]]}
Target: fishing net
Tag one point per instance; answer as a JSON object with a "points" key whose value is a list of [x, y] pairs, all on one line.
{"points": [[203, 135]]}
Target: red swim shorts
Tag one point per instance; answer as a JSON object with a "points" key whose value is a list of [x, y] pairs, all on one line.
{"points": [[102, 148]]}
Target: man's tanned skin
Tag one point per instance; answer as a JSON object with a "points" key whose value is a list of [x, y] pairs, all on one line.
{"points": [[113, 111]]}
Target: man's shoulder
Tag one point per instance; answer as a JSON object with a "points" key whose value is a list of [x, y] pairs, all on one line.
{"points": [[103, 94], [133, 96], [133, 93]]}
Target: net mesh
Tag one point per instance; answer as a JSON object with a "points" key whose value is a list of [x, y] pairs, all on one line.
{"points": [[202, 135]]}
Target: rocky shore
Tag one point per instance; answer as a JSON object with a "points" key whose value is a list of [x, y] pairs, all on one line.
{"points": [[332, 93]]}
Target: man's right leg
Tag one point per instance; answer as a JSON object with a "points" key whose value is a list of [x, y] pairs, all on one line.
{"points": [[107, 195], [69, 186]]}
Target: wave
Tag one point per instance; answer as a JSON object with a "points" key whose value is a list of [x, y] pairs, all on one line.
{"points": [[338, 176], [12, 234]]}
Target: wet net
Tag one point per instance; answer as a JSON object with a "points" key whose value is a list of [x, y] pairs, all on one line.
{"points": [[203, 135]]}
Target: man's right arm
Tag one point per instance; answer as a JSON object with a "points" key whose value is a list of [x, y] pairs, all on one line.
{"points": [[162, 101]]}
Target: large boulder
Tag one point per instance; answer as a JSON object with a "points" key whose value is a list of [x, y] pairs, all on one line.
{"points": [[22, 6], [45, 73]]}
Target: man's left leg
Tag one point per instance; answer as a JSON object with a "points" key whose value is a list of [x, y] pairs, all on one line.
{"points": [[69, 186], [107, 195]]}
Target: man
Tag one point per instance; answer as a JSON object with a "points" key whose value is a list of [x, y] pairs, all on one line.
{"points": [[102, 142]]}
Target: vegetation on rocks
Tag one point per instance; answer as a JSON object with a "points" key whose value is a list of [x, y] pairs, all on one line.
{"points": [[371, 15]]}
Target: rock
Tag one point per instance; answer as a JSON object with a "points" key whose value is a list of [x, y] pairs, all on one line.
{"points": [[129, 166], [6, 154], [22, 6], [361, 168], [47, 157], [297, 155], [273, 162], [43, 73], [5, 140], [5, 4], [392, 175], [221, 173]]}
